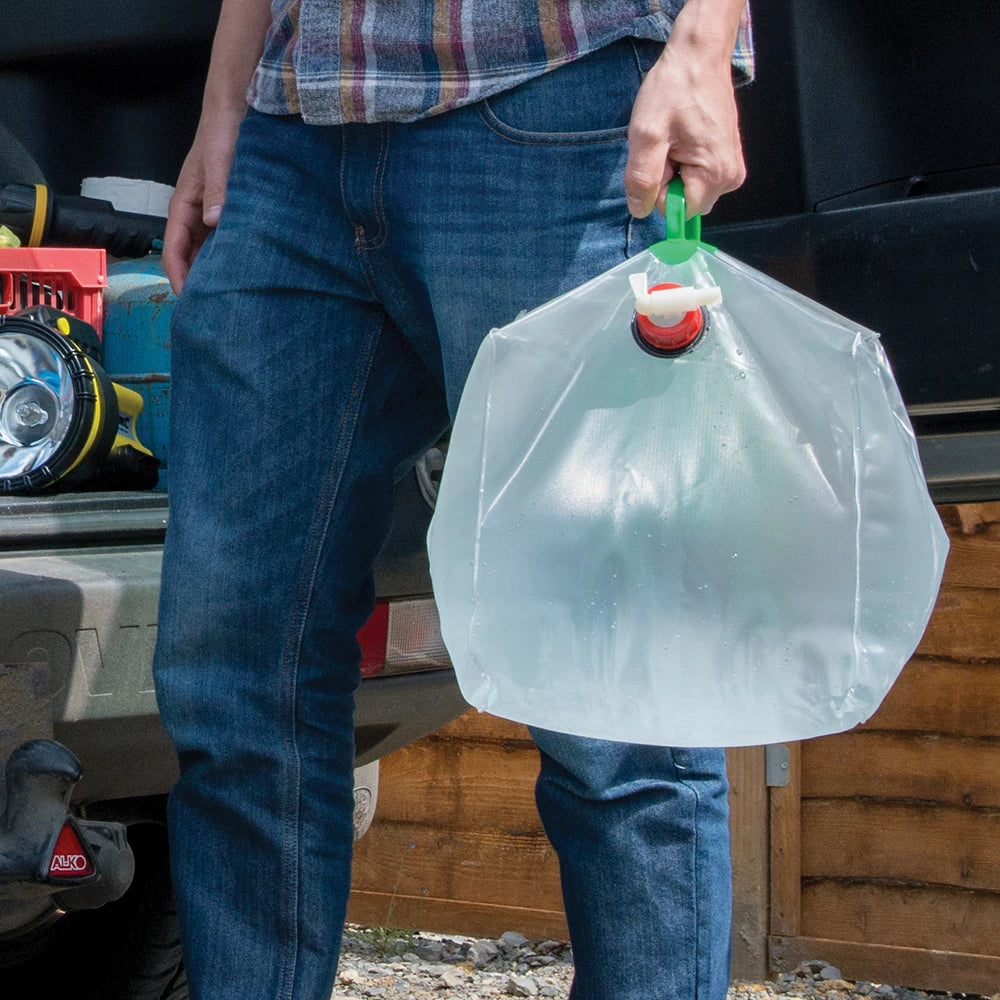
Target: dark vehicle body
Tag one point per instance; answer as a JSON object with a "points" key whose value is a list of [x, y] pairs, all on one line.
{"points": [[872, 144]]}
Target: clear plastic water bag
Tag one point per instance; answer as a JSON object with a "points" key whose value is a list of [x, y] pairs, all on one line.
{"points": [[671, 520]]}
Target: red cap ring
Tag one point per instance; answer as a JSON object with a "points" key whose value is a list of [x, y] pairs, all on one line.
{"points": [[665, 341]]}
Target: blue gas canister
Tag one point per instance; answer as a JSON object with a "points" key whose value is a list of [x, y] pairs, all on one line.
{"points": [[138, 304]]}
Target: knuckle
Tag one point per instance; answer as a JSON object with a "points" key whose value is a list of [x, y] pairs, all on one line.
{"points": [[640, 179], [642, 132]]}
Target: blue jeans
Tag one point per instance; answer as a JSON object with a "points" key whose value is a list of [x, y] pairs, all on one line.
{"points": [[319, 347]]}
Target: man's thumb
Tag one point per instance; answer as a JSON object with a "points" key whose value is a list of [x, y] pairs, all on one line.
{"points": [[695, 191]]}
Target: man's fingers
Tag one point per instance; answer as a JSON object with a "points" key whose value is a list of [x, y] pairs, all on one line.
{"points": [[184, 234], [697, 199], [642, 189], [705, 183], [646, 188], [648, 169], [177, 258], [214, 196]]}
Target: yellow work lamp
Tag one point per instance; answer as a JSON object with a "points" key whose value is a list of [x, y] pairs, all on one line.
{"points": [[63, 423]]}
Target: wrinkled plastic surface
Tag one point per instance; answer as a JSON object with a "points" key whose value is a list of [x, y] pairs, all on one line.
{"points": [[731, 547]]}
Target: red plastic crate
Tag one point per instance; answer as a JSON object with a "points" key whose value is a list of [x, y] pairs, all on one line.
{"points": [[68, 278]]}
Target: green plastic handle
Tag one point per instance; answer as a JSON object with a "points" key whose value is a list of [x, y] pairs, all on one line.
{"points": [[683, 239]]}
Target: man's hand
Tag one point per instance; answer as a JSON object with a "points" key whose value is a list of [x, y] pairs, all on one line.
{"points": [[684, 118], [197, 200]]}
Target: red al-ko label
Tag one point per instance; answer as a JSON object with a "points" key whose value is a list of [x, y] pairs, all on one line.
{"points": [[69, 859]]}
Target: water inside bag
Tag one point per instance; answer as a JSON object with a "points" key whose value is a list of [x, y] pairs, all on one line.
{"points": [[730, 546]]}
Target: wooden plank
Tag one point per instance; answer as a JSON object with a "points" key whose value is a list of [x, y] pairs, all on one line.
{"points": [[964, 625], [950, 972], [748, 824], [844, 838], [424, 859], [941, 696], [929, 767], [786, 849], [457, 820], [974, 533], [448, 916], [461, 786], [475, 726], [910, 916]]}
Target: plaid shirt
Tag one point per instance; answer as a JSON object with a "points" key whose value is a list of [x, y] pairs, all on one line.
{"points": [[336, 61]]}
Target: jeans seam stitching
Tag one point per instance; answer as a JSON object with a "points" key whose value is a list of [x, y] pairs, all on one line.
{"points": [[377, 201], [695, 909], [521, 138], [379, 240], [315, 541]]}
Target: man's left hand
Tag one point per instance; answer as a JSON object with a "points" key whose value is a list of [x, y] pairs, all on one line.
{"points": [[684, 118]]}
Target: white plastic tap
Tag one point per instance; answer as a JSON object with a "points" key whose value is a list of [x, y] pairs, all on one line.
{"points": [[667, 306]]}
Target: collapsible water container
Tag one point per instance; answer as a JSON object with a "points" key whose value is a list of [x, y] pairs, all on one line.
{"points": [[686, 515], [138, 304]]}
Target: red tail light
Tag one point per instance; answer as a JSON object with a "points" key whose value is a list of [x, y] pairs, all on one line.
{"points": [[402, 637], [372, 636]]}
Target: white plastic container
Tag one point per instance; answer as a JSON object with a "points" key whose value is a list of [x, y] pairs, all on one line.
{"points": [[729, 545]]}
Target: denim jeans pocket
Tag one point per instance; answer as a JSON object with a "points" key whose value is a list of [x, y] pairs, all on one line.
{"points": [[588, 100]]}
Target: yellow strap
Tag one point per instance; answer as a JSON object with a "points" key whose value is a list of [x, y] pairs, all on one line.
{"points": [[96, 420], [41, 211]]}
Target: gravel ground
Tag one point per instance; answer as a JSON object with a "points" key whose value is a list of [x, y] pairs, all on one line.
{"points": [[376, 962]]}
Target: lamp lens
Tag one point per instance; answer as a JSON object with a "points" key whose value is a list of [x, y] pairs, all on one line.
{"points": [[36, 402]]}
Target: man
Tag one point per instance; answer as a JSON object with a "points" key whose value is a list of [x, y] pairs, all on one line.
{"points": [[409, 176]]}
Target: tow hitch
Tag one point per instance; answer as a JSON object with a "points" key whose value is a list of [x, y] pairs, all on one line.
{"points": [[44, 849]]}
